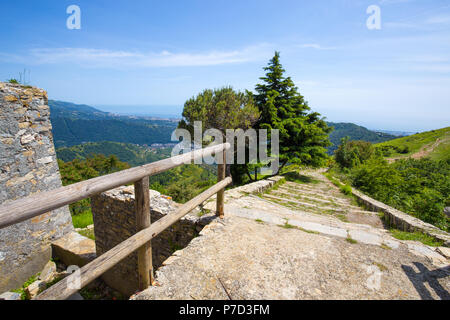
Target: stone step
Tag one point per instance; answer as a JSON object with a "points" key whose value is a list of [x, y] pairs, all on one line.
{"points": [[305, 204], [316, 207], [318, 187], [347, 206], [332, 194], [290, 194], [317, 195]]}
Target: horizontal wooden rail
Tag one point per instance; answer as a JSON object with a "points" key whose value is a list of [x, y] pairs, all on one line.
{"points": [[96, 268], [32, 206]]}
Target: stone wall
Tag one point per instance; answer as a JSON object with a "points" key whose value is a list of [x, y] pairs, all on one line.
{"points": [[401, 220], [115, 221], [27, 165]]}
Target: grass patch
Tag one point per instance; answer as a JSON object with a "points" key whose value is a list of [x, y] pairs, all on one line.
{"points": [[342, 217], [88, 234], [290, 226], [287, 226], [385, 247], [259, 221], [279, 183], [21, 290], [294, 176], [350, 240], [416, 236], [442, 152], [380, 266], [83, 219], [203, 212], [344, 188], [53, 282], [347, 190], [308, 231]]}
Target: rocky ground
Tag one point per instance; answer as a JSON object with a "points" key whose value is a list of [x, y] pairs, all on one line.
{"points": [[300, 240]]}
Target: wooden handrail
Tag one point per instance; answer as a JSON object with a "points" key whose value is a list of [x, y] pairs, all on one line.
{"points": [[32, 206], [94, 269]]}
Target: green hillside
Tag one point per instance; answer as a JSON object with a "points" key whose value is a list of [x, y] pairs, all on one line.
{"points": [[76, 124], [434, 144], [132, 154], [182, 183], [354, 132], [62, 109]]}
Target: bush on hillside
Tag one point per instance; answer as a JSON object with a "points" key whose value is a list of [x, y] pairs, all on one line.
{"points": [[418, 187], [351, 154]]}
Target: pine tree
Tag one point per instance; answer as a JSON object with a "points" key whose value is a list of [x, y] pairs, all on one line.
{"points": [[303, 134]]}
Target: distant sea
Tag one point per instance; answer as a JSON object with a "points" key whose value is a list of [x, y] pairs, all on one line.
{"points": [[171, 112]]}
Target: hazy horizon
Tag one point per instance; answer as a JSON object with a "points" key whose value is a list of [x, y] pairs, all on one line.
{"points": [[161, 112]]}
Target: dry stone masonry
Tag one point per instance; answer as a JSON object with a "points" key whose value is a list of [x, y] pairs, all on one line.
{"points": [[27, 165], [115, 221], [401, 220]]}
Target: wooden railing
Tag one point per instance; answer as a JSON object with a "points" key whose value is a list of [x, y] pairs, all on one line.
{"points": [[35, 205]]}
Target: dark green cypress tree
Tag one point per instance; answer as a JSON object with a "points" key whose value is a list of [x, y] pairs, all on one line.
{"points": [[303, 134]]}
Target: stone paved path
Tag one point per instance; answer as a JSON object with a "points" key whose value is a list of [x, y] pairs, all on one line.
{"points": [[300, 241]]}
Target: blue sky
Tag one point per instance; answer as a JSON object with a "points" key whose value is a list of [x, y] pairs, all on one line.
{"points": [[151, 56]]}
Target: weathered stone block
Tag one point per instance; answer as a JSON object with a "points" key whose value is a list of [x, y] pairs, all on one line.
{"points": [[48, 274], [35, 288], [74, 249], [25, 247], [10, 296]]}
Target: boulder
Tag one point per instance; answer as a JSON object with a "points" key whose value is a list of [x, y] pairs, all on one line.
{"points": [[48, 274], [10, 296], [74, 249]]}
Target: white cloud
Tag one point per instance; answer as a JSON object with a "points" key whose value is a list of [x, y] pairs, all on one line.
{"points": [[315, 46], [387, 2], [438, 19], [403, 25], [109, 58]]}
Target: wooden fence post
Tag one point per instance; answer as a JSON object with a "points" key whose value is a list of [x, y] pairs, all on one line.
{"points": [[145, 265], [221, 194]]}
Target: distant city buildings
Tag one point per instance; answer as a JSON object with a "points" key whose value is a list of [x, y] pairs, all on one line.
{"points": [[162, 145]]}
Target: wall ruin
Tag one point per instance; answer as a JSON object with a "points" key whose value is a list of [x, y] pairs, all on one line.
{"points": [[27, 165], [115, 221]]}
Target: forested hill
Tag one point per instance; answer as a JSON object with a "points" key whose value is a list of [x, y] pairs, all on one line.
{"points": [[355, 132], [60, 109], [76, 124], [132, 154]]}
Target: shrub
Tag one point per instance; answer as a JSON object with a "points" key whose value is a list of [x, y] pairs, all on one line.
{"points": [[351, 154], [346, 190], [418, 187]]}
